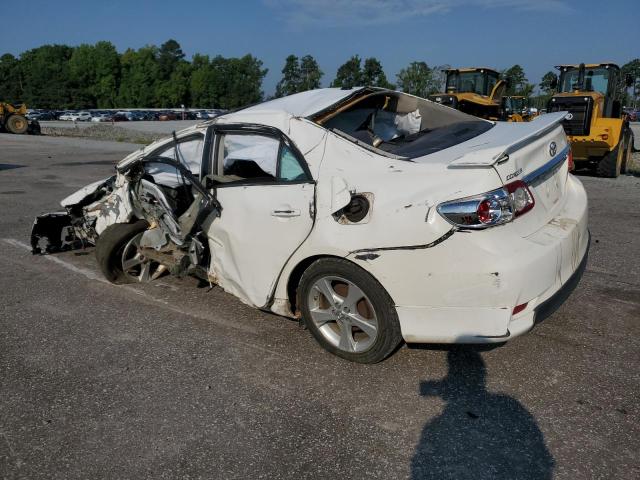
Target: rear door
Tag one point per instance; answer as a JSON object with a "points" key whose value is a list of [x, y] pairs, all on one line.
{"points": [[267, 196]]}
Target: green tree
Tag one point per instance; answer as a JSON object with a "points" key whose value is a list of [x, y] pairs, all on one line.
{"points": [[631, 68], [241, 79], [202, 87], [94, 72], [310, 74], [170, 55], [174, 74], [418, 79], [174, 91], [546, 83], [46, 79], [349, 74], [516, 80], [139, 76], [373, 74], [226, 82], [291, 77], [10, 79]]}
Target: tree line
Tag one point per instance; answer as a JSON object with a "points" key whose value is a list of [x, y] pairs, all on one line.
{"points": [[98, 76]]}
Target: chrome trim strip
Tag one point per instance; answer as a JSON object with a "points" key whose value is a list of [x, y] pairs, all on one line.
{"points": [[548, 168]]}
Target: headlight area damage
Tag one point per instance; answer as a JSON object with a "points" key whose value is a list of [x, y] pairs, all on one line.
{"points": [[174, 237], [79, 224]]}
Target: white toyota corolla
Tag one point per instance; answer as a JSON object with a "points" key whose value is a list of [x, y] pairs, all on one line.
{"points": [[372, 215]]}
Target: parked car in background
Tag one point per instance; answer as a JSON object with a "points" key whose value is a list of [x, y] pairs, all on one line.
{"points": [[372, 215], [164, 116], [80, 116], [40, 115], [101, 117], [119, 117]]}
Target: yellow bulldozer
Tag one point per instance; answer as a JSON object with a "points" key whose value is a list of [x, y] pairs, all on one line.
{"points": [[599, 133], [477, 91], [515, 108], [13, 118]]}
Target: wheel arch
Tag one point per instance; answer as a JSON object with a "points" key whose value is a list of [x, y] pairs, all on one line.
{"points": [[293, 279]]}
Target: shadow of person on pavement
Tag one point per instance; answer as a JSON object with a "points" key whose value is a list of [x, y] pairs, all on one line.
{"points": [[478, 434]]}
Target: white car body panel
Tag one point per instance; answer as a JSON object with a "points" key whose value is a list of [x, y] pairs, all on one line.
{"points": [[448, 285], [252, 213]]}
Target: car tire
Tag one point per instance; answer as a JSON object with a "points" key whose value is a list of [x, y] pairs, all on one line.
{"points": [[611, 164], [374, 308], [17, 124], [110, 246]]}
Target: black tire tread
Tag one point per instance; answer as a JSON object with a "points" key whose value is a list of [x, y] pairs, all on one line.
{"points": [[607, 167], [10, 124], [109, 245], [390, 337]]}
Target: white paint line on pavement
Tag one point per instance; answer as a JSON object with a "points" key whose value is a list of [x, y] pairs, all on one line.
{"points": [[82, 271], [95, 276]]}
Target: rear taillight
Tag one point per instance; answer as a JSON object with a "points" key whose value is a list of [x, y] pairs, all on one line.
{"points": [[489, 209], [572, 165], [521, 198]]}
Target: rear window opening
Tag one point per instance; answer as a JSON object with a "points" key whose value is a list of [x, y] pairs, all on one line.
{"points": [[401, 125]]}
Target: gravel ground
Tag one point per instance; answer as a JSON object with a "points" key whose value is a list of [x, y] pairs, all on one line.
{"points": [[171, 380], [144, 126], [104, 132]]}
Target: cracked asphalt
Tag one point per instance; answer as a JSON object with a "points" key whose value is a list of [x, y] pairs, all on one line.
{"points": [[173, 380]]}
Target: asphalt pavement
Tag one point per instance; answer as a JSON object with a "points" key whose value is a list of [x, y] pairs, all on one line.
{"points": [[177, 380]]}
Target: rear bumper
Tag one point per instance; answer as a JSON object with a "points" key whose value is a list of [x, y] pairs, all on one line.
{"points": [[464, 290]]}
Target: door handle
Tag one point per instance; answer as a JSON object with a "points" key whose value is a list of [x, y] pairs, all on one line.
{"points": [[285, 213]]}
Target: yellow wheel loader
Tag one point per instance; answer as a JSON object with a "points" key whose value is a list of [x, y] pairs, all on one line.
{"points": [[599, 133], [477, 91], [514, 108], [13, 118]]}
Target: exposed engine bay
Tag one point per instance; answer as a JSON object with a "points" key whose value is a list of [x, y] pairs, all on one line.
{"points": [[175, 216]]}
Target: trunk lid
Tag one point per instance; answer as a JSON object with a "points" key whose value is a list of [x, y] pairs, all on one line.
{"points": [[534, 152]]}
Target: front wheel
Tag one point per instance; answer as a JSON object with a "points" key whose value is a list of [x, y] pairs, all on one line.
{"points": [[119, 256], [611, 164], [348, 312]]}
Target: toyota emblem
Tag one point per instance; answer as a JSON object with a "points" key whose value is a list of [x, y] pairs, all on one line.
{"points": [[553, 148]]}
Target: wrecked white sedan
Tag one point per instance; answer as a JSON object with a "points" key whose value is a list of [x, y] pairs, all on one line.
{"points": [[371, 215]]}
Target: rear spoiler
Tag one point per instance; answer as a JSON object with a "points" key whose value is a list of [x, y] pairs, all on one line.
{"points": [[527, 132]]}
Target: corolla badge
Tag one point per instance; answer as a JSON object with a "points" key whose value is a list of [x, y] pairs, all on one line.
{"points": [[553, 148]]}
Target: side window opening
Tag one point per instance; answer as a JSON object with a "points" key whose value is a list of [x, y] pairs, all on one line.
{"points": [[189, 150], [247, 157], [290, 168]]}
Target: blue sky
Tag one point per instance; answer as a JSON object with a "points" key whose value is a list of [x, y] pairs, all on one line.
{"points": [[537, 34]]}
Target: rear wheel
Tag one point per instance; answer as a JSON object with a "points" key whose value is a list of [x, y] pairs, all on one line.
{"points": [[348, 312], [17, 124], [611, 164]]}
